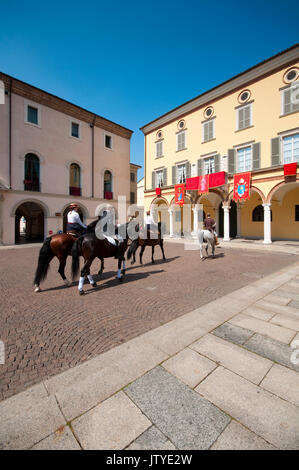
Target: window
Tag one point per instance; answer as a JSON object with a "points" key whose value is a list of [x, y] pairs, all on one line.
{"points": [[181, 174], [290, 145], [291, 75], [159, 178], [75, 180], [32, 115], [296, 213], [181, 125], [290, 102], [133, 177], [132, 198], [209, 165], [181, 141], [244, 117], [258, 214], [75, 130], [178, 215], [31, 181], [108, 194], [244, 159], [159, 149], [108, 141], [208, 112], [208, 130], [244, 96]]}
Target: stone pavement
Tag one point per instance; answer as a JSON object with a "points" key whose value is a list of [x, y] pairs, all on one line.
{"points": [[224, 376]]}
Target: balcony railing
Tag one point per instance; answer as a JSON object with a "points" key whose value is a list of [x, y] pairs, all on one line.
{"points": [[108, 195], [75, 191], [31, 185]]}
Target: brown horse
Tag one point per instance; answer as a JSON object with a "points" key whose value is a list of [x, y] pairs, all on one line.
{"points": [[59, 245], [143, 242]]}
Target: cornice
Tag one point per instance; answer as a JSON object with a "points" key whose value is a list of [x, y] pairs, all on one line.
{"points": [[241, 80], [42, 97]]}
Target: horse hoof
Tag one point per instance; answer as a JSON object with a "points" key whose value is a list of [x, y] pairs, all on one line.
{"points": [[67, 283], [132, 262], [123, 271], [81, 292], [121, 279], [37, 289], [94, 284]]}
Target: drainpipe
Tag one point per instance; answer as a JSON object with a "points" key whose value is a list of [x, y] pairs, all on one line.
{"points": [[92, 156], [10, 133]]}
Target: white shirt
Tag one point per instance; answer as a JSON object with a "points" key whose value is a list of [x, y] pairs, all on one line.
{"points": [[149, 220], [74, 218]]}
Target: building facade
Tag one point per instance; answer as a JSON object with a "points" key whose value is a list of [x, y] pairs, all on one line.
{"points": [[133, 182], [53, 153], [249, 123]]}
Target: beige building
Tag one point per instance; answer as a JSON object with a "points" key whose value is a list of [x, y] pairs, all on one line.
{"points": [[249, 123], [140, 192], [133, 182], [53, 153]]}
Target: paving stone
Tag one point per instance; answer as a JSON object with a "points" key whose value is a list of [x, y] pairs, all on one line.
{"points": [[236, 437], [264, 328], [271, 349], [283, 382], [27, 419], [277, 299], [294, 304], [233, 333], [270, 417], [113, 424], [152, 439], [233, 357], [257, 312], [288, 292], [286, 321], [275, 308], [83, 395], [189, 421], [62, 439], [189, 366]]}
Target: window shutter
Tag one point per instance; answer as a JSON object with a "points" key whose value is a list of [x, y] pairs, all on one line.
{"points": [[153, 179], [165, 177], [199, 167], [241, 118], [217, 163], [247, 112], [174, 174], [205, 132], [211, 130], [287, 101], [256, 157], [275, 151], [231, 161], [188, 170]]}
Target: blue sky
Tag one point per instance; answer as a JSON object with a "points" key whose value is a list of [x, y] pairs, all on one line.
{"points": [[133, 61]]}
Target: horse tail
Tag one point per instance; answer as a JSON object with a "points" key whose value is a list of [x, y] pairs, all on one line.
{"points": [[132, 248], [45, 257], [76, 248]]}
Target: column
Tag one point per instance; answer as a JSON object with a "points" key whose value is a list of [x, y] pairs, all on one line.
{"points": [[195, 219], [226, 224], [216, 211], [239, 219], [171, 212], [267, 223]]}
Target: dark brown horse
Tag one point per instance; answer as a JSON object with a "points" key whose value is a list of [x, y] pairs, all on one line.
{"points": [[90, 247], [59, 245], [143, 241]]}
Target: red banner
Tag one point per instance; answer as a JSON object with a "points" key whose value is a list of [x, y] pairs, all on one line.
{"points": [[203, 185], [242, 186], [217, 179], [179, 191], [192, 183], [290, 169], [158, 191]]}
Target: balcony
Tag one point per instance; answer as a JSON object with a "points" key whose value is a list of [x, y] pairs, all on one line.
{"points": [[31, 185], [75, 191], [108, 195]]}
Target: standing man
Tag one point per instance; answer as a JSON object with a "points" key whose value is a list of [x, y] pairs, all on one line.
{"points": [[210, 224], [73, 219]]}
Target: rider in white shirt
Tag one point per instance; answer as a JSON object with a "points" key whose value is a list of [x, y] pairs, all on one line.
{"points": [[73, 219]]}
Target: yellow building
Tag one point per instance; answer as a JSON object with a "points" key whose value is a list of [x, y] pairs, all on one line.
{"points": [[248, 123]]}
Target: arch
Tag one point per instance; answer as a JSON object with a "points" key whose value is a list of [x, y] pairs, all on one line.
{"points": [[158, 199], [36, 201], [80, 205], [253, 188], [34, 227], [278, 186]]}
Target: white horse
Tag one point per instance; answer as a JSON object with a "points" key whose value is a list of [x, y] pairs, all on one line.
{"points": [[205, 236]]}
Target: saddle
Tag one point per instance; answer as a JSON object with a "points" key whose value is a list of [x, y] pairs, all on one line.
{"points": [[74, 233]]}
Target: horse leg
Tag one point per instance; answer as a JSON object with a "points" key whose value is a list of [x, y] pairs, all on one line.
{"points": [[86, 272], [207, 245], [162, 249], [119, 273], [141, 253], [124, 265], [62, 263], [102, 267], [153, 250]]}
